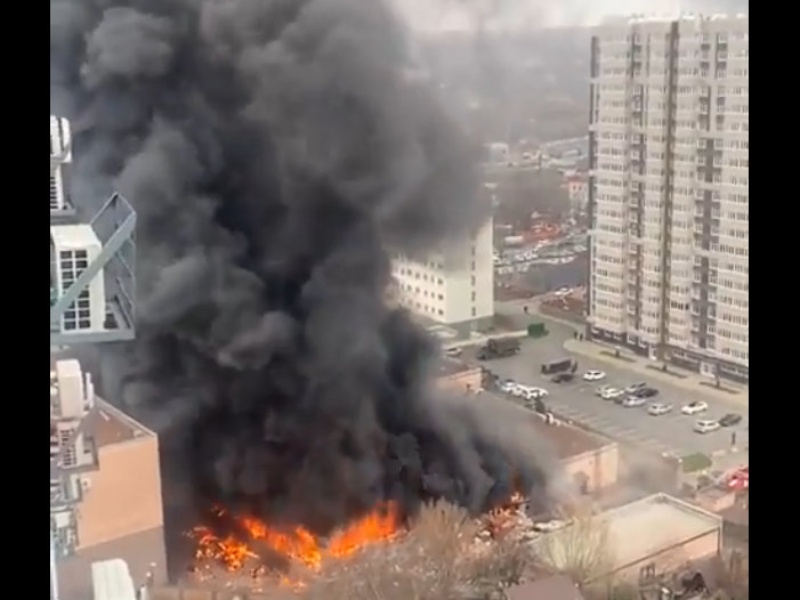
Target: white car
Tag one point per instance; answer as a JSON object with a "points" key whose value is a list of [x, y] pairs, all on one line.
{"points": [[508, 387], [610, 393], [659, 408], [694, 408], [706, 426], [537, 392], [633, 402], [594, 376]]}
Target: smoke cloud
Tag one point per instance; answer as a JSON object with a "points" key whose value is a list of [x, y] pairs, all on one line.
{"points": [[277, 152]]}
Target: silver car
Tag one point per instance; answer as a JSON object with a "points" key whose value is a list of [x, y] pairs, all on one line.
{"points": [[633, 402], [659, 408]]}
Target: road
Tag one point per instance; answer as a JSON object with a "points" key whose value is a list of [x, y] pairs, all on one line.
{"points": [[667, 433]]}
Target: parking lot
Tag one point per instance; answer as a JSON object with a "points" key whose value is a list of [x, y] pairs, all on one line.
{"points": [[672, 432]]}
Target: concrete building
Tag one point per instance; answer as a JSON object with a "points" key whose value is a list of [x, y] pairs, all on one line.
{"points": [[454, 287], [105, 486], [668, 193], [588, 461], [660, 533]]}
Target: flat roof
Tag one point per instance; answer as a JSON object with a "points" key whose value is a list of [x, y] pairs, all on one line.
{"points": [[645, 528], [73, 237], [108, 425], [567, 441], [555, 587]]}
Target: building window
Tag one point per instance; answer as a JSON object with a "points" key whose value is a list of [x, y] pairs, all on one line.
{"points": [[474, 296], [474, 312], [473, 280]]}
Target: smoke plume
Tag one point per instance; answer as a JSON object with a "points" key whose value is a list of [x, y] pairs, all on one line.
{"points": [[277, 152]]}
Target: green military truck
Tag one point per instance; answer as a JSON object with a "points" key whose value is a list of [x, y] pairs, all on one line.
{"points": [[499, 348]]}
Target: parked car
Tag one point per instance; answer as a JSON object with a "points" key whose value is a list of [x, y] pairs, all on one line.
{"points": [[659, 408], [645, 392], [563, 378], [610, 393], [730, 420], [453, 352], [594, 376], [694, 408], [633, 402], [634, 387], [706, 426]]}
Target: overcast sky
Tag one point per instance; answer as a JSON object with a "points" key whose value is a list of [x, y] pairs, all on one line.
{"points": [[461, 15]]}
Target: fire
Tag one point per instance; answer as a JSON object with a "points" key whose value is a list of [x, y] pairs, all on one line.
{"points": [[297, 545]]}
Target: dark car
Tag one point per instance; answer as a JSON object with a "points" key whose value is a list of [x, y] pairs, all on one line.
{"points": [[645, 392], [563, 378], [730, 420]]}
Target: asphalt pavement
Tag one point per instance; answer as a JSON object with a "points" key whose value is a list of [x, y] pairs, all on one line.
{"points": [[671, 433]]}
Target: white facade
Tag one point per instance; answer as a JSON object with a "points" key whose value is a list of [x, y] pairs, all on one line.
{"points": [[454, 286], [60, 154], [73, 248], [71, 398], [669, 190]]}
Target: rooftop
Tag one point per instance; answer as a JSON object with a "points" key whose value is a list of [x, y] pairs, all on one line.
{"points": [[648, 527], [556, 587], [109, 425]]}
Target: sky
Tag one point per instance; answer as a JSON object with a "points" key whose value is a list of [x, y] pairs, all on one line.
{"points": [[466, 15]]}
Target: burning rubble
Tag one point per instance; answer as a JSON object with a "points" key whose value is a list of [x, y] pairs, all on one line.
{"points": [[289, 557], [262, 550]]}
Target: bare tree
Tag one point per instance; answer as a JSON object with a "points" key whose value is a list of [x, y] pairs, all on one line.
{"points": [[581, 550], [436, 560]]}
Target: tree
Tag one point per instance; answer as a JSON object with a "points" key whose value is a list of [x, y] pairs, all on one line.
{"points": [[581, 550], [438, 559]]}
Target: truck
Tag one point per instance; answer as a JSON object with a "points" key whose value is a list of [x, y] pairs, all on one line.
{"points": [[561, 365], [499, 348]]}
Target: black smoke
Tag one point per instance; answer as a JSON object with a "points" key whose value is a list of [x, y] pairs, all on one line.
{"points": [[277, 152]]}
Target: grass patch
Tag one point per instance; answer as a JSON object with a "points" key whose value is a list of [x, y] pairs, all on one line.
{"points": [[691, 463]]}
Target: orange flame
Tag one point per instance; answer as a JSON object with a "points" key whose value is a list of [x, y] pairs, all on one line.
{"points": [[298, 544]]}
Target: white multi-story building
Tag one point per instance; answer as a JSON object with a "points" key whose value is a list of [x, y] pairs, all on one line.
{"points": [[668, 194], [72, 249], [454, 287], [60, 157]]}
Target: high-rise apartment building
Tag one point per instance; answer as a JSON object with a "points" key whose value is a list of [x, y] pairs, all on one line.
{"points": [[454, 287], [668, 193]]}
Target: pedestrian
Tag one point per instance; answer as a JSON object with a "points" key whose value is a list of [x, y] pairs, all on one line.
{"points": [[733, 439], [525, 309]]}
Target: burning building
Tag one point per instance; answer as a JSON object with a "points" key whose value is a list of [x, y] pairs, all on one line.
{"points": [[105, 487]]}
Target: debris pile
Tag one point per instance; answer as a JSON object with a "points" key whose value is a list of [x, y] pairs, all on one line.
{"points": [[510, 520]]}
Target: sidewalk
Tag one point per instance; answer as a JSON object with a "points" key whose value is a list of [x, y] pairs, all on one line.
{"points": [[688, 380]]}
